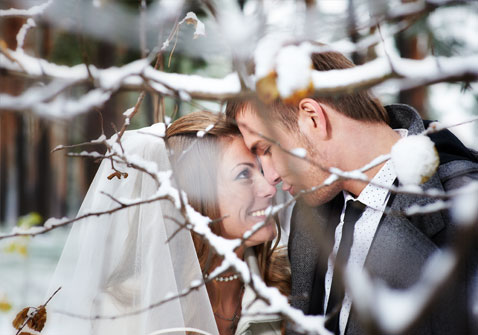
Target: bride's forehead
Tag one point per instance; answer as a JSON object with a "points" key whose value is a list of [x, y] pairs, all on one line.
{"points": [[236, 149]]}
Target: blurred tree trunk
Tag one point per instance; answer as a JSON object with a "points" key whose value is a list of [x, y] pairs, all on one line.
{"points": [[409, 47], [105, 58], [8, 171], [25, 166], [10, 128], [357, 57]]}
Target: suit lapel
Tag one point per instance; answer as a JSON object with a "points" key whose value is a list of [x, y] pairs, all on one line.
{"points": [[311, 241]]}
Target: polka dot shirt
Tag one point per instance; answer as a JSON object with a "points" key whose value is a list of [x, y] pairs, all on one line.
{"points": [[375, 198]]}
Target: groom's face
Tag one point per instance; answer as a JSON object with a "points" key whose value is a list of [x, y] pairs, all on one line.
{"points": [[296, 174]]}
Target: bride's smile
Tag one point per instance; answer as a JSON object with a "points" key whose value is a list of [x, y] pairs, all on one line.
{"points": [[244, 194]]}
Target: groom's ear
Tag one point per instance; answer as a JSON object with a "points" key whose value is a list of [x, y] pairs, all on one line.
{"points": [[312, 119]]}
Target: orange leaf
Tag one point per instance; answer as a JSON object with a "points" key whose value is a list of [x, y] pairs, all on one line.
{"points": [[298, 95], [37, 322], [266, 88], [20, 318]]}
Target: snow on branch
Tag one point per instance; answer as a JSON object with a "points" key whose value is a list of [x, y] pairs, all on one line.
{"points": [[23, 33], [139, 73], [411, 73], [33, 11], [405, 10], [134, 75]]}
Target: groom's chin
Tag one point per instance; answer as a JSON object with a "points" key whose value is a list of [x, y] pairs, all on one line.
{"points": [[321, 196]]}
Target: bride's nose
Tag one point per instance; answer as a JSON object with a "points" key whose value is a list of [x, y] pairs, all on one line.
{"points": [[263, 188]]}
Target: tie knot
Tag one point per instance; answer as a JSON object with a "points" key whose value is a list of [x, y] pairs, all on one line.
{"points": [[353, 211]]}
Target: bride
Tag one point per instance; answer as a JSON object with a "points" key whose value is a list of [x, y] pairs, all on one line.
{"points": [[136, 271]]}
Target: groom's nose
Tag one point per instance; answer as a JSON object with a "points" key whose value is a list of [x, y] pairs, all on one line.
{"points": [[270, 173]]}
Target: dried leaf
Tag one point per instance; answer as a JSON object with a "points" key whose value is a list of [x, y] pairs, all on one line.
{"points": [[3, 45], [266, 88], [298, 95], [21, 318], [37, 322]]}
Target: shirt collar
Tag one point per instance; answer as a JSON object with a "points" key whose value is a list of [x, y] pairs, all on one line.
{"points": [[385, 176]]}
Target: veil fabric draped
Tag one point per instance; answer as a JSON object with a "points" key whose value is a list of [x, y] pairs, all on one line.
{"points": [[121, 262]]}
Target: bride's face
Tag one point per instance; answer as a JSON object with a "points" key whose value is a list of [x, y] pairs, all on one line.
{"points": [[243, 194]]}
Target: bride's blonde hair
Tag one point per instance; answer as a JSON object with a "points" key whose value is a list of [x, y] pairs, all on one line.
{"points": [[195, 161]]}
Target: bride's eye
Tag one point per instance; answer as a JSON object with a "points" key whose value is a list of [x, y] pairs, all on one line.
{"points": [[244, 174]]}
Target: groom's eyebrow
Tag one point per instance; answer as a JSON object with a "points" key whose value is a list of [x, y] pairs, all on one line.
{"points": [[254, 149], [256, 146]]}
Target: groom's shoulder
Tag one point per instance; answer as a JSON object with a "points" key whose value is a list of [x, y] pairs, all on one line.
{"points": [[304, 212]]}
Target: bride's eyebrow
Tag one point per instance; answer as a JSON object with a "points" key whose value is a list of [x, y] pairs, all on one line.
{"points": [[243, 163]]}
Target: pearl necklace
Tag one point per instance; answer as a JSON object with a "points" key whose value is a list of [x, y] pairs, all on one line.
{"points": [[223, 279]]}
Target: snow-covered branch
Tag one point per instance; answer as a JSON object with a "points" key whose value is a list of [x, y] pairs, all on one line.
{"points": [[139, 73], [409, 73], [33, 11]]}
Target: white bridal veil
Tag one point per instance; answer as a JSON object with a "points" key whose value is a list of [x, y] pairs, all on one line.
{"points": [[121, 263]]}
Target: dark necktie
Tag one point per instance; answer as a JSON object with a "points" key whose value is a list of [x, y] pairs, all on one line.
{"points": [[353, 212]]}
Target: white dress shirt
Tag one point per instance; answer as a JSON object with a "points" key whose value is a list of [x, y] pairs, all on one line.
{"points": [[375, 199]]}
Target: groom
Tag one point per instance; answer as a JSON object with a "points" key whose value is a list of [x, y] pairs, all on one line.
{"points": [[348, 218]]}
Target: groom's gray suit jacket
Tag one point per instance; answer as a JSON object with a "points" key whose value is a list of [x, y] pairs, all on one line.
{"points": [[401, 245]]}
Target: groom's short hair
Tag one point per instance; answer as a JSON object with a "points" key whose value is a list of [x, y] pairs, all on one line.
{"points": [[359, 104]]}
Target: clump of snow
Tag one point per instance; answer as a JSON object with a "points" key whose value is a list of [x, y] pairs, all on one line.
{"points": [[191, 18], [128, 112], [159, 129], [208, 128], [265, 53], [33, 11], [464, 209], [415, 159], [23, 32], [100, 139], [167, 120], [430, 208], [294, 69], [299, 152], [52, 222], [201, 133]]}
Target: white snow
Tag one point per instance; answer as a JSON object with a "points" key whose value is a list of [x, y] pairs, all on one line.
{"points": [[465, 204], [201, 133], [128, 112], [52, 222], [23, 33], [294, 69], [415, 159], [191, 18], [266, 52], [35, 10], [430, 208], [299, 152]]}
